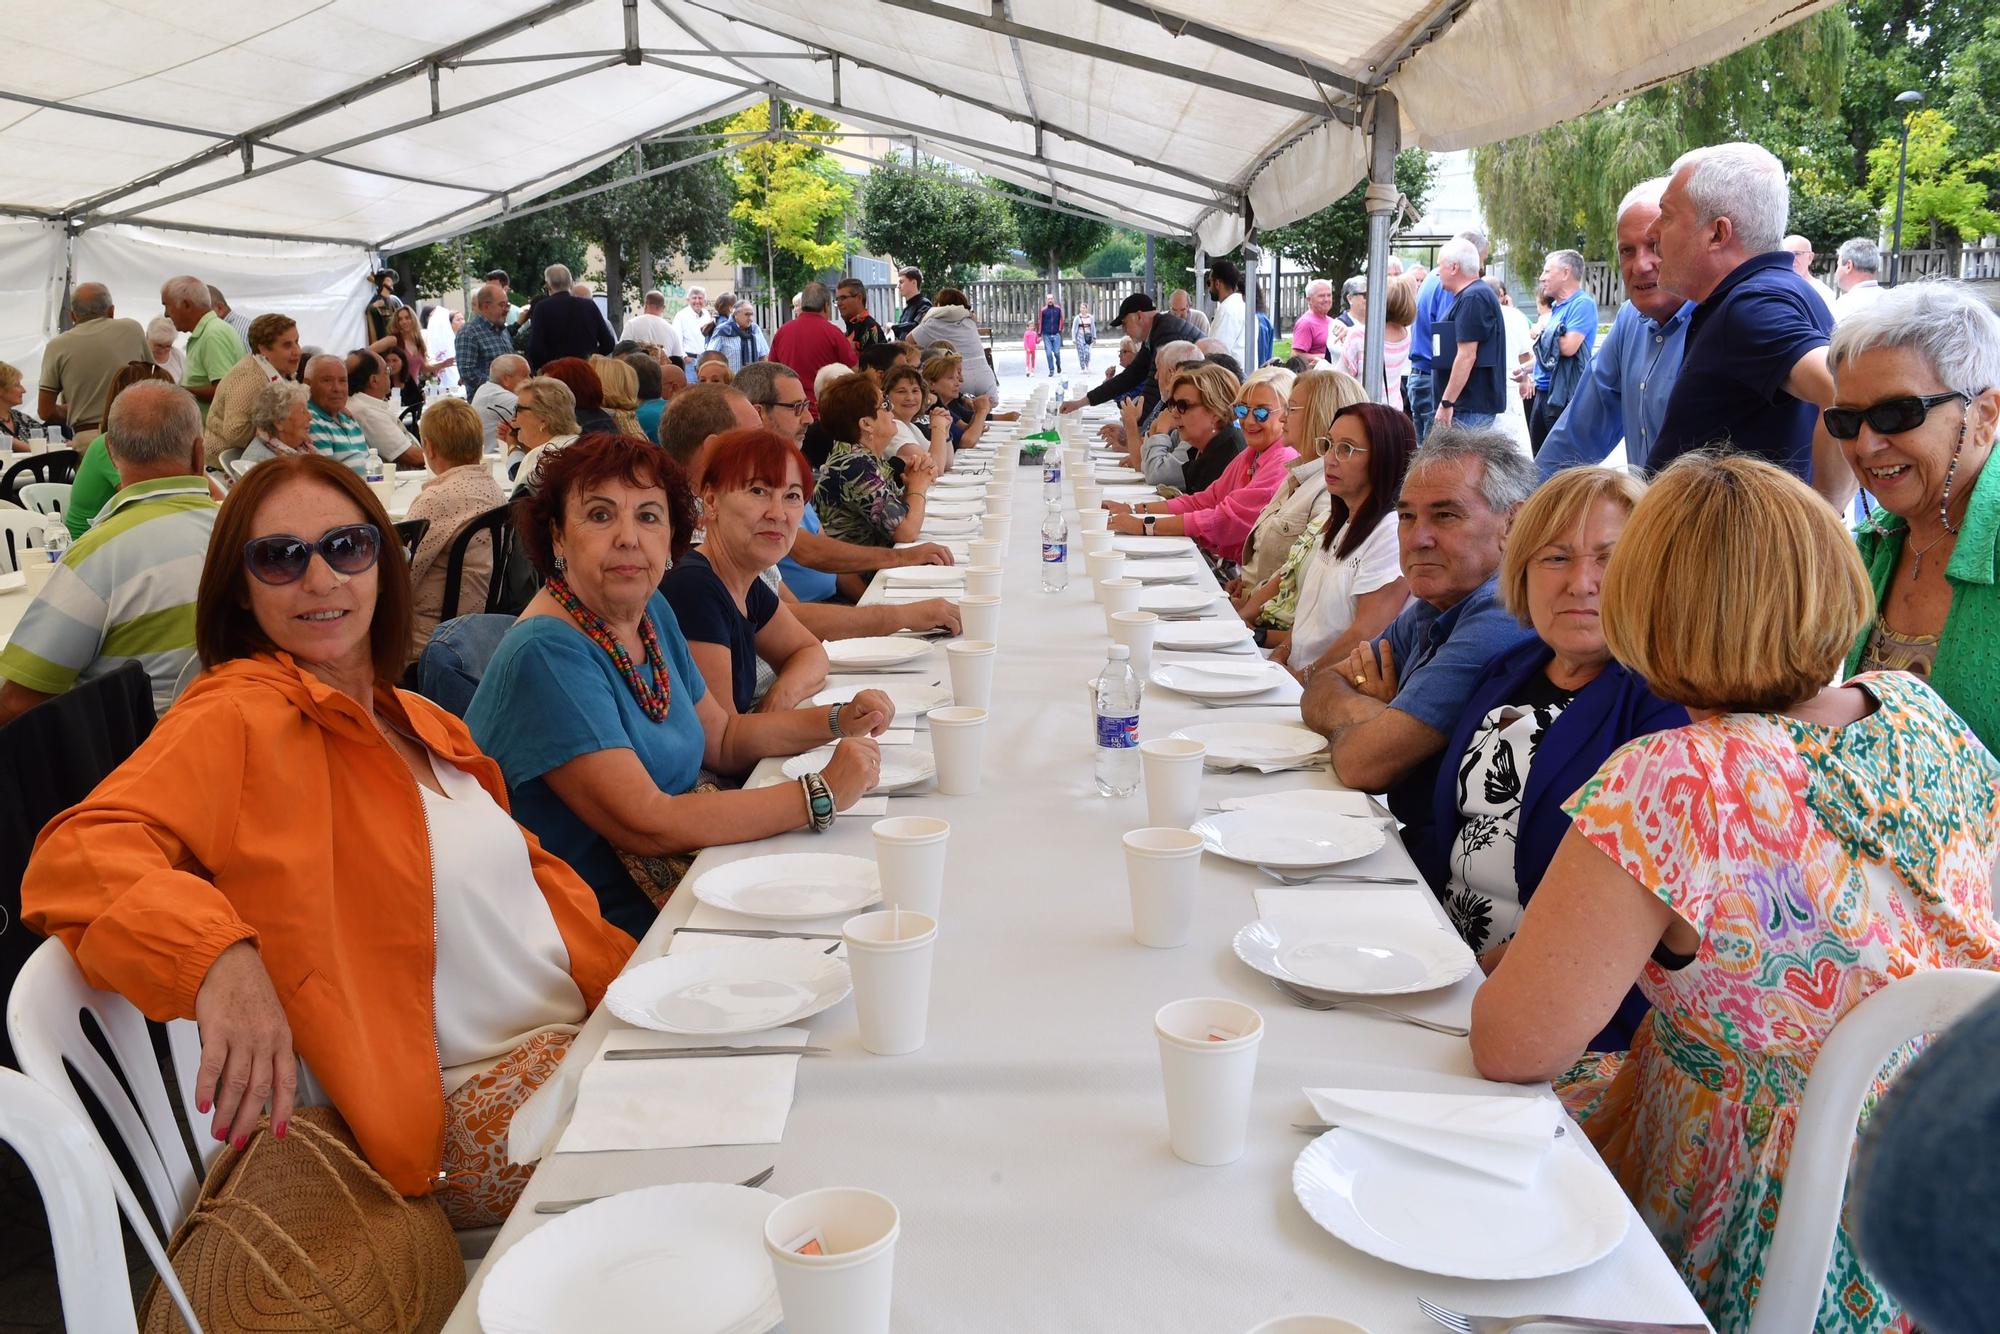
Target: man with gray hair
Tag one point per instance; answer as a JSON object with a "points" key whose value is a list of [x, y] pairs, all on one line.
{"points": [[1563, 346], [79, 363], [1755, 377], [810, 341], [691, 321], [212, 346], [335, 433], [494, 400], [1469, 340], [652, 326], [1388, 709], [1800, 248], [125, 591], [563, 324], [1857, 267], [234, 319], [1427, 375], [484, 338]]}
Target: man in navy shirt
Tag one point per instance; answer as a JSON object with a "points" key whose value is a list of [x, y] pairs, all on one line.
{"points": [[1432, 300], [1468, 345], [1755, 376], [1387, 710], [1052, 333], [1562, 350]]}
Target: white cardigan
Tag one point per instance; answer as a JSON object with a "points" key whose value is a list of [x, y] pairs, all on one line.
{"points": [[955, 325]]}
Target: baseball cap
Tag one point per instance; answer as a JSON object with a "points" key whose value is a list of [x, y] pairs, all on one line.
{"points": [[1134, 304]]}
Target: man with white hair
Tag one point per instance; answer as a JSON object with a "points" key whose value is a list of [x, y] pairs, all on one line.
{"points": [[1856, 270], [79, 363], [1469, 347], [1311, 332], [234, 319], [1755, 375], [125, 591], [652, 326], [1562, 349], [494, 400], [563, 324], [1426, 374], [688, 322], [1625, 394], [335, 433], [212, 346], [484, 338], [1800, 248], [163, 346]]}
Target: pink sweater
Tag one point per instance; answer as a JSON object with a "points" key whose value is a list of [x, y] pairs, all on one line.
{"points": [[1220, 518]]}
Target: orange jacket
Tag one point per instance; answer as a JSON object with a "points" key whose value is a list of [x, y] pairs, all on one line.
{"points": [[267, 807]]}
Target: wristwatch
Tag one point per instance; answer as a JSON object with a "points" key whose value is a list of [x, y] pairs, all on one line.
{"points": [[1149, 520], [1448, 403]]}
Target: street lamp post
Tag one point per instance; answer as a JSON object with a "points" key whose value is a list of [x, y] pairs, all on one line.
{"points": [[1910, 100]]}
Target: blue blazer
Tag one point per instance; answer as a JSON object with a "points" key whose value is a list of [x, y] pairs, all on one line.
{"points": [[1610, 711]]}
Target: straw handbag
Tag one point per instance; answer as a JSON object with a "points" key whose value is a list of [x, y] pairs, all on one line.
{"points": [[301, 1234]]}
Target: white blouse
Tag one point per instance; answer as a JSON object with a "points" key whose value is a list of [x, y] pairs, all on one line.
{"points": [[1330, 586]]}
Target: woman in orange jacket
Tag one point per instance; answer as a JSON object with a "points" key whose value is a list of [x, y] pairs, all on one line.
{"points": [[305, 859]]}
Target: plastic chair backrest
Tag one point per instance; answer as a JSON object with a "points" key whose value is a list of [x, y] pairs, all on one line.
{"points": [[57, 465], [1843, 1075], [19, 530], [50, 498], [498, 524], [411, 533]]}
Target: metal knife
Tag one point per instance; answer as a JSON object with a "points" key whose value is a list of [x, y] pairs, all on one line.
{"points": [[674, 1053], [757, 934]]}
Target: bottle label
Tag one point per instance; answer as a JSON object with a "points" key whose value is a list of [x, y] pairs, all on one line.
{"points": [[1117, 733], [1054, 552]]}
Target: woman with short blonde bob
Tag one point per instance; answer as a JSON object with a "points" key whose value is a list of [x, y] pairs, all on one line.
{"points": [[1759, 872], [621, 393], [459, 490]]}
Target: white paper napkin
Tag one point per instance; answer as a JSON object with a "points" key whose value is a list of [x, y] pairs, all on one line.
{"points": [[1501, 1136], [683, 1103]]}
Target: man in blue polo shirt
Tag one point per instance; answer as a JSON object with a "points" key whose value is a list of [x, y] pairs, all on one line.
{"points": [[1432, 300], [1755, 375], [1625, 395], [1562, 349], [1387, 710], [1469, 344]]}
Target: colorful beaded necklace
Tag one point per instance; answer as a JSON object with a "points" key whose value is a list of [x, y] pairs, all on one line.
{"points": [[652, 699]]}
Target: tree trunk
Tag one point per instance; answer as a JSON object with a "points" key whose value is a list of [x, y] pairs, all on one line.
{"points": [[614, 283], [644, 278], [771, 279]]}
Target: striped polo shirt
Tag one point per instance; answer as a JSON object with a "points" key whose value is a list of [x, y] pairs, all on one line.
{"points": [[125, 592], [339, 437]]}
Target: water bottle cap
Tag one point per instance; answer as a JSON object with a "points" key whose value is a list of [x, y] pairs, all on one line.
{"points": [[1120, 652]]}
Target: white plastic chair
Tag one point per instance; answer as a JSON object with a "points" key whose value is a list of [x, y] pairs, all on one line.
{"points": [[50, 498], [75, 1178], [19, 530], [1829, 1116]]}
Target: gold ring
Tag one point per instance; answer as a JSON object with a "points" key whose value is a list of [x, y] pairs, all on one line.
{"points": [[1360, 680]]}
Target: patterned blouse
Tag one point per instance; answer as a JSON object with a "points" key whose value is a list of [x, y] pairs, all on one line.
{"points": [[1284, 604], [1816, 864], [858, 497]]}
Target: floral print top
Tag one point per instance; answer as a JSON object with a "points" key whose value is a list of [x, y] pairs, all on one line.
{"points": [[858, 497]]}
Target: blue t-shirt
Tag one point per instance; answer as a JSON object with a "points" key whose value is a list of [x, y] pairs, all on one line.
{"points": [[807, 585], [1741, 346], [706, 611], [1440, 658], [649, 414], [1576, 315], [1432, 299], [550, 695]]}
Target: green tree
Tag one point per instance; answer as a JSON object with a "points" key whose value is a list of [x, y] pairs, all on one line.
{"points": [[791, 198], [1972, 102], [1059, 240], [1333, 242], [1940, 192], [522, 246], [1827, 220], [1900, 45], [927, 217], [1125, 252]]}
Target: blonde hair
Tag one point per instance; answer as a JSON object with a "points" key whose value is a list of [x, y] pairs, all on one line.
{"points": [[9, 376], [1734, 587], [1214, 386], [1278, 377], [555, 403], [1328, 390], [452, 428], [940, 364], [1550, 515], [621, 383]]}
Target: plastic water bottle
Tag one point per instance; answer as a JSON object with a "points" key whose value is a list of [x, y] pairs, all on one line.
{"points": [[1052, 470], [55, 542], [1117, 725], [1055, 549], [371, 469]]}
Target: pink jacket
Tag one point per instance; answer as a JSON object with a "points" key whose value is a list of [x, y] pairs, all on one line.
{"points": [[1220, 518]]}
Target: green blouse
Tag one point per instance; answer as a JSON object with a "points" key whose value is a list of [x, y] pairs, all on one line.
{"points": [[1284, 604]]}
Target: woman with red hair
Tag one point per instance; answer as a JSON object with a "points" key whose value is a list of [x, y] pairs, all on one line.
{"points": [[584, 383]]}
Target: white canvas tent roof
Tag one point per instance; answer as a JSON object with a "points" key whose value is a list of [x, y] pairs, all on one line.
{"points": [[371, 124]]}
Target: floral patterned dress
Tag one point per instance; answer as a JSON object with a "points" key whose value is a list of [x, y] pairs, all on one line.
{"points": [[859, 498], [1818, 864]]}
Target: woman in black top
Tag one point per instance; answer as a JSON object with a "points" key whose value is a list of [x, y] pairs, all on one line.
{"points": [[753, 496]]}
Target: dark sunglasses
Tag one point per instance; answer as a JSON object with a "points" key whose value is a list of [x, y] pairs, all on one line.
{"points": [[1894, 417], [1182, 405], [1243, 410], [282, 558]]}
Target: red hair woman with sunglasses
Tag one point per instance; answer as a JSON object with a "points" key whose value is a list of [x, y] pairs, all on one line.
{"points": [[307, 860]]}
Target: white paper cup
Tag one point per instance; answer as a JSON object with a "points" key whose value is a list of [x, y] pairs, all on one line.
{"points": [[996, 528], [958, 741], [1170, 769], [385, 490], [1207, 1076], [847, 1290], [982, 551], [909, 857], [1088, 496], [1162, 867], [1092, 543], [1092, 520], [971, 664], [1104, 564], [1000, 506], [1120, 594], [889, 955], [1134, 629], [983, 580], [979, 617]]}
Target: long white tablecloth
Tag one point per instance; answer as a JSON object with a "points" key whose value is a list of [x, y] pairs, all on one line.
{"points": [[1026, 1144]]}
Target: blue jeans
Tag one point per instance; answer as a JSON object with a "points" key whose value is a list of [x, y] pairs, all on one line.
{"points": [[1471, 419], [1423, 405], [1052, 352]]}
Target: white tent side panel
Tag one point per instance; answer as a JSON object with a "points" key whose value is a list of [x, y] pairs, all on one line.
{"points": [[31, 269]]}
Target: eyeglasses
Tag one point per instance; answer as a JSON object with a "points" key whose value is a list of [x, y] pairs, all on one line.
{"points": [[797, 406], [1243, 410], [1182, 405], [282, 558], [1342, 450], [1893, 417]]}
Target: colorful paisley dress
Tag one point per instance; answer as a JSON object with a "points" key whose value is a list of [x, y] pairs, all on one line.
{"points": [[1818, 864]]}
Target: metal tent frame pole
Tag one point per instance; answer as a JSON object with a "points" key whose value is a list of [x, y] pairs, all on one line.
{"points": [[1249, 291], [1385, 140]]}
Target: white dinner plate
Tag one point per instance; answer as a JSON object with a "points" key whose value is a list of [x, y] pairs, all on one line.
{"points": [[1318, 800], [1375, 954], [679, 1259], [14, 581], [925, 576], [1192, 636], [942, 527], [1131, 494], [955, 509], [731, 989], [1171, 599], [1231, 744], [1164, 571], [1219, 680], [1436, 1217], [1288, 837], [791, 885], [874, 651], [1103, 474], [1142, 548], [910, 698], [902, 766]]}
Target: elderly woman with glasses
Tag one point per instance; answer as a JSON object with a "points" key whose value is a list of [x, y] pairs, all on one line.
{"points": [[1310, 406], [280, 423], [544, 422], [858, 496], [316, 866], [1219, 516], [1916, 409]]}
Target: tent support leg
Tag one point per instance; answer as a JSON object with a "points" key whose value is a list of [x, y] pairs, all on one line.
{"points": [[1385, 133], [1249, 348], [1152, 288]]}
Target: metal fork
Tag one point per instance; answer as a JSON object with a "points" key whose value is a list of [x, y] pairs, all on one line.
{"points": [[1308, 1001], [1347, 877], [1279, 769], [1503, 1324], [564, 1206]]}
